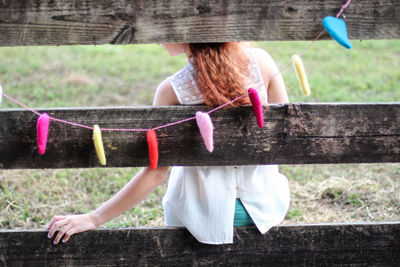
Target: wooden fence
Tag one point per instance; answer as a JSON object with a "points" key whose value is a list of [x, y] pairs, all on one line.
{"points": [[293, 133]]}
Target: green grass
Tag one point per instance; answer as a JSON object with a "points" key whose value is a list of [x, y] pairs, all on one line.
{"points": [[84, 75], [128, 75], [31, 198]]}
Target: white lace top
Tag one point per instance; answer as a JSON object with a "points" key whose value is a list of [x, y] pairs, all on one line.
{"points": [[203, 198], [184, 85]]}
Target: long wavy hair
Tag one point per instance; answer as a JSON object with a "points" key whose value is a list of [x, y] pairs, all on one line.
{"points": [[221, 71]]}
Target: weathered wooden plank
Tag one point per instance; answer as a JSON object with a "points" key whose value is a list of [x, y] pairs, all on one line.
{"points": [[292, 134], [300, 245], [66, 22]]}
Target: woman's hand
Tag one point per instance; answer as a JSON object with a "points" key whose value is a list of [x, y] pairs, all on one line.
{"points": [[69, 225]]}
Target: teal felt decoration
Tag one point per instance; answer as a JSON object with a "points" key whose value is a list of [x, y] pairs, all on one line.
{"points": [[338, 30]]}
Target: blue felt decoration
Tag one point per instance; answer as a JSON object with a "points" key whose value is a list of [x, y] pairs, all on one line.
{"points": [[338, 30]]}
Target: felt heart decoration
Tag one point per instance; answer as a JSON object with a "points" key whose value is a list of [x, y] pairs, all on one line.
{"points": [[301, 74], [257, 107], [42, 130], [206, 129], [153, 148], [98, 145], [338, 30]]}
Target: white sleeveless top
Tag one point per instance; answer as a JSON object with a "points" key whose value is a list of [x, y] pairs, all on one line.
{"points": [[203, 198]]}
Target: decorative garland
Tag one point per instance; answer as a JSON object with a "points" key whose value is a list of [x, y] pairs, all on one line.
{"points": [[333, 25]]}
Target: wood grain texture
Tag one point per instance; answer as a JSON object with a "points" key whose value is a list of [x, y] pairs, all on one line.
{"points": [[94, 22], [292, 134], [301, 245]]}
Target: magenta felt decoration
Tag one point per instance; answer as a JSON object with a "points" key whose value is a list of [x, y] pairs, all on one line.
{"points": [[206, 129], [257, 107], [42, 129], [1, 93]]}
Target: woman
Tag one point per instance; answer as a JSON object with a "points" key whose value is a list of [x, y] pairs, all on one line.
{"points": [[208, 201]]}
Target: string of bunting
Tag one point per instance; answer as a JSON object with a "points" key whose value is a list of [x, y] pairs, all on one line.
{"points": [[333, 25]]}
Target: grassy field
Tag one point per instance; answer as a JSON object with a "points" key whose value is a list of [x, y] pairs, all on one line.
{"points": [[128, 75]]}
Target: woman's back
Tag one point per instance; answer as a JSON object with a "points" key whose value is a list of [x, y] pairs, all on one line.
{"points": [[203, 198]]}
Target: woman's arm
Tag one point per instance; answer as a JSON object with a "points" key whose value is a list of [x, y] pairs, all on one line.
{"points": [[145, 181], [271, 76], [138, 188]]}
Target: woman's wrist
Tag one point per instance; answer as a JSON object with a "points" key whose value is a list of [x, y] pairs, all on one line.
{"points": [[95, 219]]}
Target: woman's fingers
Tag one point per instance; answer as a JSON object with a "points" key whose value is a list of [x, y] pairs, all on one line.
{"points": [[57, 225], [68, 234], [69, 225], [61, 233], [55, 219]]}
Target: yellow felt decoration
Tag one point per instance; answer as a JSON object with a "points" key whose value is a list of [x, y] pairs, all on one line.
{"points": [[98, 144], [301, 74]]}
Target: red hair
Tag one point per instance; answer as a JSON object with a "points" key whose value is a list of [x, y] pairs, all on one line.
{"points": [[221, 71]]}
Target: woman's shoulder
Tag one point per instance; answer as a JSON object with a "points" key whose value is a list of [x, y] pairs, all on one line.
{"points": [[262, 57], [271, 75], [266, 64], [257, 51], [165, 95]]}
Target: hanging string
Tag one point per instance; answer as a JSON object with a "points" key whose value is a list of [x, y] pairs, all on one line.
{"points": [[121, 129], [184, 120], [125, 130], [72, 123], [229, 102], [21, 104], [343, 8], [173, 123]]}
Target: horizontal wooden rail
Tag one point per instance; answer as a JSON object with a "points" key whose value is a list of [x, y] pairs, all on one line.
{"points": [[292, 134], [66, 22], [300, 245]]}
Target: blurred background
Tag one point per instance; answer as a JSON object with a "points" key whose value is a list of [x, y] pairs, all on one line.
{"points": [[87, 76]]}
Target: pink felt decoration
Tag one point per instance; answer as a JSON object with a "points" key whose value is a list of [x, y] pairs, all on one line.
{"points": [[206, 129], [42, 129], [257, 107]]}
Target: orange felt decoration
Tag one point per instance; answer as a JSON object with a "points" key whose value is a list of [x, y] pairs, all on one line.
{"points": [[153, 148]]}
